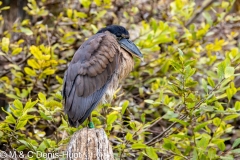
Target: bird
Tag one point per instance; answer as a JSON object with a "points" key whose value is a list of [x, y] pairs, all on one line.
{"points": [[95, 71]]}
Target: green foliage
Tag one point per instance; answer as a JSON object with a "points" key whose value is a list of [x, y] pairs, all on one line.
{"points": [[179, 103]]}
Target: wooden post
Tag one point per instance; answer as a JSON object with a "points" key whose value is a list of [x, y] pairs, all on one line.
{"points": [[90, 144]]}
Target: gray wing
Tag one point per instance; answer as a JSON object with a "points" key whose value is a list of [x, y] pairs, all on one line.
{"points": [[88, 76]]}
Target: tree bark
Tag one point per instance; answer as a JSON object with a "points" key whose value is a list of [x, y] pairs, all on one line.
{"points": [[89, 144]]}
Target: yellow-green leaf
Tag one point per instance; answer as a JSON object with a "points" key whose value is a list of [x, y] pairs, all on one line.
{"points": [[21, 124], [5, 8], [229, 71], [34, 64], [27, 31], [18, 104], [5, 44], [30, 71], [59, 79], [124, 106], [138, 146], [10, 119], [16, 51], [42, 97], [151, 153], [237, 106], [230, 117], [36, 52], [111, 117], [30, 104], [49, 71]]}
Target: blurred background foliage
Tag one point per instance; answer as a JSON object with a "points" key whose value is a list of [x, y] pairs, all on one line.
{"points": [[181, 102]]}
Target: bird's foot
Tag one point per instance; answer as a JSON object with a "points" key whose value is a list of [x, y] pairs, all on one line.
{"points": [[91, 125]]}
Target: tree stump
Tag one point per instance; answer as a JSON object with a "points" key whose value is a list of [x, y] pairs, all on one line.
{"points": [[89, 144]]}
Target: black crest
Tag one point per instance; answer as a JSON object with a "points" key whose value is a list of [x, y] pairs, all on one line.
{"points": [[116, 30]]}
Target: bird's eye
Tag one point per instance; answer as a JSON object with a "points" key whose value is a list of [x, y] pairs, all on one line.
{"points": [[119, 37]]}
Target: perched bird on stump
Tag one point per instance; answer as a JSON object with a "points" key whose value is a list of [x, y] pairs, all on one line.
{"points": [[95, 71]]}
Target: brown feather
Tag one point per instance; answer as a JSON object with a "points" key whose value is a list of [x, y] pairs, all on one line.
{"points": [[93, 75]]}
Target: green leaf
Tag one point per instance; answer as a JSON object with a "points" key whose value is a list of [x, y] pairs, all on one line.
{"points": [[33, 64], [212, 153], [10, 119], [26, 117], [180, 52], [167, 144], [150, 101], [85, 3], [204, 85], [42, 97], [59, 79], [151, 153], [30, 71], [236, 151], [12, 96], [16, 51], [220, 144], [203, 143], [124, 106], [229, 71], [189, 62], [230, 117], [42, 146], [208, 17], [36, 52], [18, 104], [21, 148], [30, 104], [5, 44], [200, 126], [5, 8], [176, 65], [111, 117], [179, 121], [188, 72], [44, 116], [221, 69], [227, 157], [237, 106], [69, 13], [21, 124], [49, 71], [129, 137], [139, 146], [79, 14], [25, 143], [98, 2], [211, 82], [94, 28], [27, 31], [217, 121], [15, 66], [236, 143]]}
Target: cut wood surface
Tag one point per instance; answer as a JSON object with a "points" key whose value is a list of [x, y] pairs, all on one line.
{"points": [[90, 144]]}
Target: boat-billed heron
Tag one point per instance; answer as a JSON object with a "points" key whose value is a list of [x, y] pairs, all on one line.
{"points": [[95, 71]]}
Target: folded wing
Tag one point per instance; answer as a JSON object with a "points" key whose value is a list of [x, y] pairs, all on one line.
{"points": [[88, 76]]}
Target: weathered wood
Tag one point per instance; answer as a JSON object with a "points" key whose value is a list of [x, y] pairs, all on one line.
{"points": [[90, 144]]}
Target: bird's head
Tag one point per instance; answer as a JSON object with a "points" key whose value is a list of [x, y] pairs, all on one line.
{"points": [[122, 37]]}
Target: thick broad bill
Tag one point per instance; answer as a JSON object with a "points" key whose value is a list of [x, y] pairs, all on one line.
{"points": [[130, 47]]}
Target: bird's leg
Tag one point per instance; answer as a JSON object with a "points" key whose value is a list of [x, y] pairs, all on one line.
{"points": [[90, 124]]}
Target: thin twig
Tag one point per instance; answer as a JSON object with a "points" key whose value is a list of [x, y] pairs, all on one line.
{"points": [[198, 13]]}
